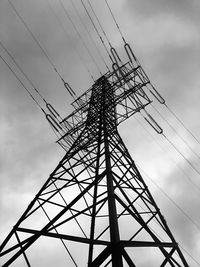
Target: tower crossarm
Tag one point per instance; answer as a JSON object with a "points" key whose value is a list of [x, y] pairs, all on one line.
{"points": [[129, 86]]}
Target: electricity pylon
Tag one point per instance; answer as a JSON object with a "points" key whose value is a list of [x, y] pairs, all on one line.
{"points": [[96, 197]]}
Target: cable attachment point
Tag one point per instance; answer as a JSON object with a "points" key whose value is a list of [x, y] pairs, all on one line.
{"points": [[53, 123], [151, 121], [119, 74], [115, 55], [157, 96], [130, 53], [52, 110], [69, 89]]}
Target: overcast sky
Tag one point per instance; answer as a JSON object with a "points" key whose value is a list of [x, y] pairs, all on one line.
{"points": [[165, 37]]}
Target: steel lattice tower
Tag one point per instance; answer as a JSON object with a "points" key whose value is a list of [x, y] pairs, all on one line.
{"points": [[96, 196]]}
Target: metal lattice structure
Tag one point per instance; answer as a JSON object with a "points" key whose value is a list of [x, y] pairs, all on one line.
{"points": [[96, 196]]}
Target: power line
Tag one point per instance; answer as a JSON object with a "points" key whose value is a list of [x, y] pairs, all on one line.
{"points": [[88, 32], [117, 25], [67, 35], [100, 25], [172, 201], [79, 35], [25, 75], [183, 140], [173, 113], [19, 80], [175, 163], [180, 121], [177, 150], [96, 30], [35, 39], [52, 118]]}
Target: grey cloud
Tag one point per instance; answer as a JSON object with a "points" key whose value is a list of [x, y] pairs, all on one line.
{"points": [[184, 8], [28, 156]]}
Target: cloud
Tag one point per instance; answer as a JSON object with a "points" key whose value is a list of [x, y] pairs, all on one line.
{"points": [[165, 36]]}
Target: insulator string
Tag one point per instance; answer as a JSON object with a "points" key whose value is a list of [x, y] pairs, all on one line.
{"points": [[170, 110], [33, 87], [79, 35]]}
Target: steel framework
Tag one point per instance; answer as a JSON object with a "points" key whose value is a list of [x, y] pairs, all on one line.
{"points": [[96, 196]]}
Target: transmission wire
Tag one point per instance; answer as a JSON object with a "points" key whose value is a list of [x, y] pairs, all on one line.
{"points": [[79, 35], [169, 124], [191, 165], [19, 80], [117, 25], [90, 36], [35, 39], [190, 255], [96, 30], [180, 121], [170, 110], [25, 75], [67, 35], [100, 25], [173, 160], [172, 201]]}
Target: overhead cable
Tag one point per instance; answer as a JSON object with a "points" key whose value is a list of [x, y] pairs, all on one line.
{"points": [[180, 121], [175, 131], [177, 150], [96, 30], [117, 25], [79, 35], [175, 163], [35, 39], [100, 25], [89, 34], [23, 85], [67, 35], [25, 75]]}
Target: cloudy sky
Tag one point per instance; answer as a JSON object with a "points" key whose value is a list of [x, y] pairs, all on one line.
{"points": [[166, 38]]}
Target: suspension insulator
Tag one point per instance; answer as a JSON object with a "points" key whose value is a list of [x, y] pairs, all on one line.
{"points": [[115, 55], [157, 95], [153, 123], [116, 70], [53, 123], [130, 53], [69, 89], [52, 110]]}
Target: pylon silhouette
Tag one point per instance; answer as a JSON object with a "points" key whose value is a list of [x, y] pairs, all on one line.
{"points": [[96, 196]]}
